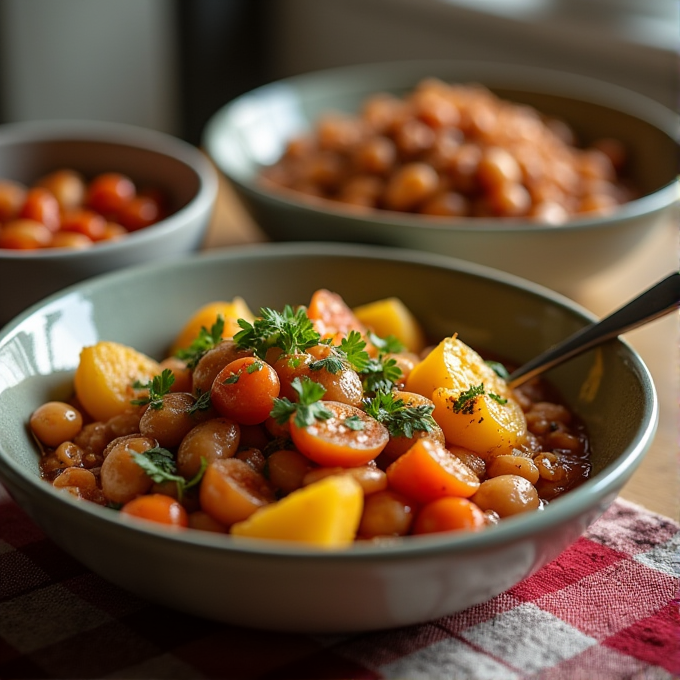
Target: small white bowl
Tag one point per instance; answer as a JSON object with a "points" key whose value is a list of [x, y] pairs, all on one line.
{"points": [[251, 132], [31, 150], [273, 585]]}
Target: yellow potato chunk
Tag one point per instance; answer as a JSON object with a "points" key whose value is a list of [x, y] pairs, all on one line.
{"points": [[454, 366], [391, 317], [482, 424], [206, 316], [324, 514], [105, 375]]}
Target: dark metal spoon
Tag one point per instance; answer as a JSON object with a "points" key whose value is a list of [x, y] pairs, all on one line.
{"points": [[655, 302]]}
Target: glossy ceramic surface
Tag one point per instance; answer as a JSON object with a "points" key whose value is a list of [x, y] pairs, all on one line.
{"points": [[281, 586], [252, 131], [30, 150]]}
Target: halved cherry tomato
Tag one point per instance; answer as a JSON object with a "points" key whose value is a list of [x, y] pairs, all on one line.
{"points": [[448, 514], [157, 507], [348, 438], [428, 471], [231, 491], [245, 389]]}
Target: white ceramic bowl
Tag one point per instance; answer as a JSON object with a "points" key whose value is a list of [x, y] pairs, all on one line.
{"points": [[251, 132], [282, 586], [31, 150]]}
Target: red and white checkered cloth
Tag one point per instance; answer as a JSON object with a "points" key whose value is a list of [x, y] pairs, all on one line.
{"points": [[606, 609]]}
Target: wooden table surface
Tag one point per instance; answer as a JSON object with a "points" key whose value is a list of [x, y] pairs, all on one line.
{"points": [[656, 483]]}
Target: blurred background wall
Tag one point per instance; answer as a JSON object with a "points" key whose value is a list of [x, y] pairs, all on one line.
{"points": [[169, 64]]}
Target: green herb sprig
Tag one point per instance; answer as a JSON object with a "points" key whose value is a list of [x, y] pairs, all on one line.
{"points": [[159, 464], [158, 387], [206, 340], [400, 418], [290, 330], [308, 409]]}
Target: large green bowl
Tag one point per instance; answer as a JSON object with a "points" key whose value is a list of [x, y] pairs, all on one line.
{"points": [[283, 586]]}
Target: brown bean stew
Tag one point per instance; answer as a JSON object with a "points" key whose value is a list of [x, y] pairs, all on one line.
{"points": [[318, 423], [454, 151]]}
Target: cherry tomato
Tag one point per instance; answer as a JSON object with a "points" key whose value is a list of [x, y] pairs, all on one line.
{"points": [[245, 389], [86, 222], [12, 197], [157, 507], [42, 206], [348, 438], [448, 514], [109, 192], [139, 212], [25, 235]]}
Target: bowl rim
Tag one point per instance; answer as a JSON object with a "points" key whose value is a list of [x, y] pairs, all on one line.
{"points": [[577, 502], [125, 135], [552, 82]]}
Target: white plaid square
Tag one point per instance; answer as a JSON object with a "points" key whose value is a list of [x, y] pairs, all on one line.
{"points": [[447, 659], [528, 638]]}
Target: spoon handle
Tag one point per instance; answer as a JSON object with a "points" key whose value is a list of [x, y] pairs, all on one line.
{"points": [[655, 302]]}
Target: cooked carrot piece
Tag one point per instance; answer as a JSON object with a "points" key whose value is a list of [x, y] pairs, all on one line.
{"points": [[428, 471]]}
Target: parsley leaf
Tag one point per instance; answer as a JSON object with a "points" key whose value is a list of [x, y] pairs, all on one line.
{"points": [[159, 464], [290, 330], [206, 340], [466, 400], [354, 423], [387, 345], [400, 418], [203, 403], [309, 407], [350, 353], [381, 374], [498, 369], [158, 387]]}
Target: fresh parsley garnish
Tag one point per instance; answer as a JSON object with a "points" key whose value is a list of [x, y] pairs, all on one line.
{"points": [[353, 423], [400, 418], [158, 387], [290, 330], [387, 345], [206, 340], [202, 403], [309, 407], [159, 464], [466, 400], [351, 352], [381, 374]]}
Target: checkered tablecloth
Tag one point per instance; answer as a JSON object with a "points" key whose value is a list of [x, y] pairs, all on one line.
{"points": [[607, 609]]}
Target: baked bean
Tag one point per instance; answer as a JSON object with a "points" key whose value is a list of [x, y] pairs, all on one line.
{"points": [[410, 186], [122, 479], [370, 477], [55, 422], [486, 157], [507, 495], [211, 440], [170, 423], [286, 469], [513, 465], [386, 513]]}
